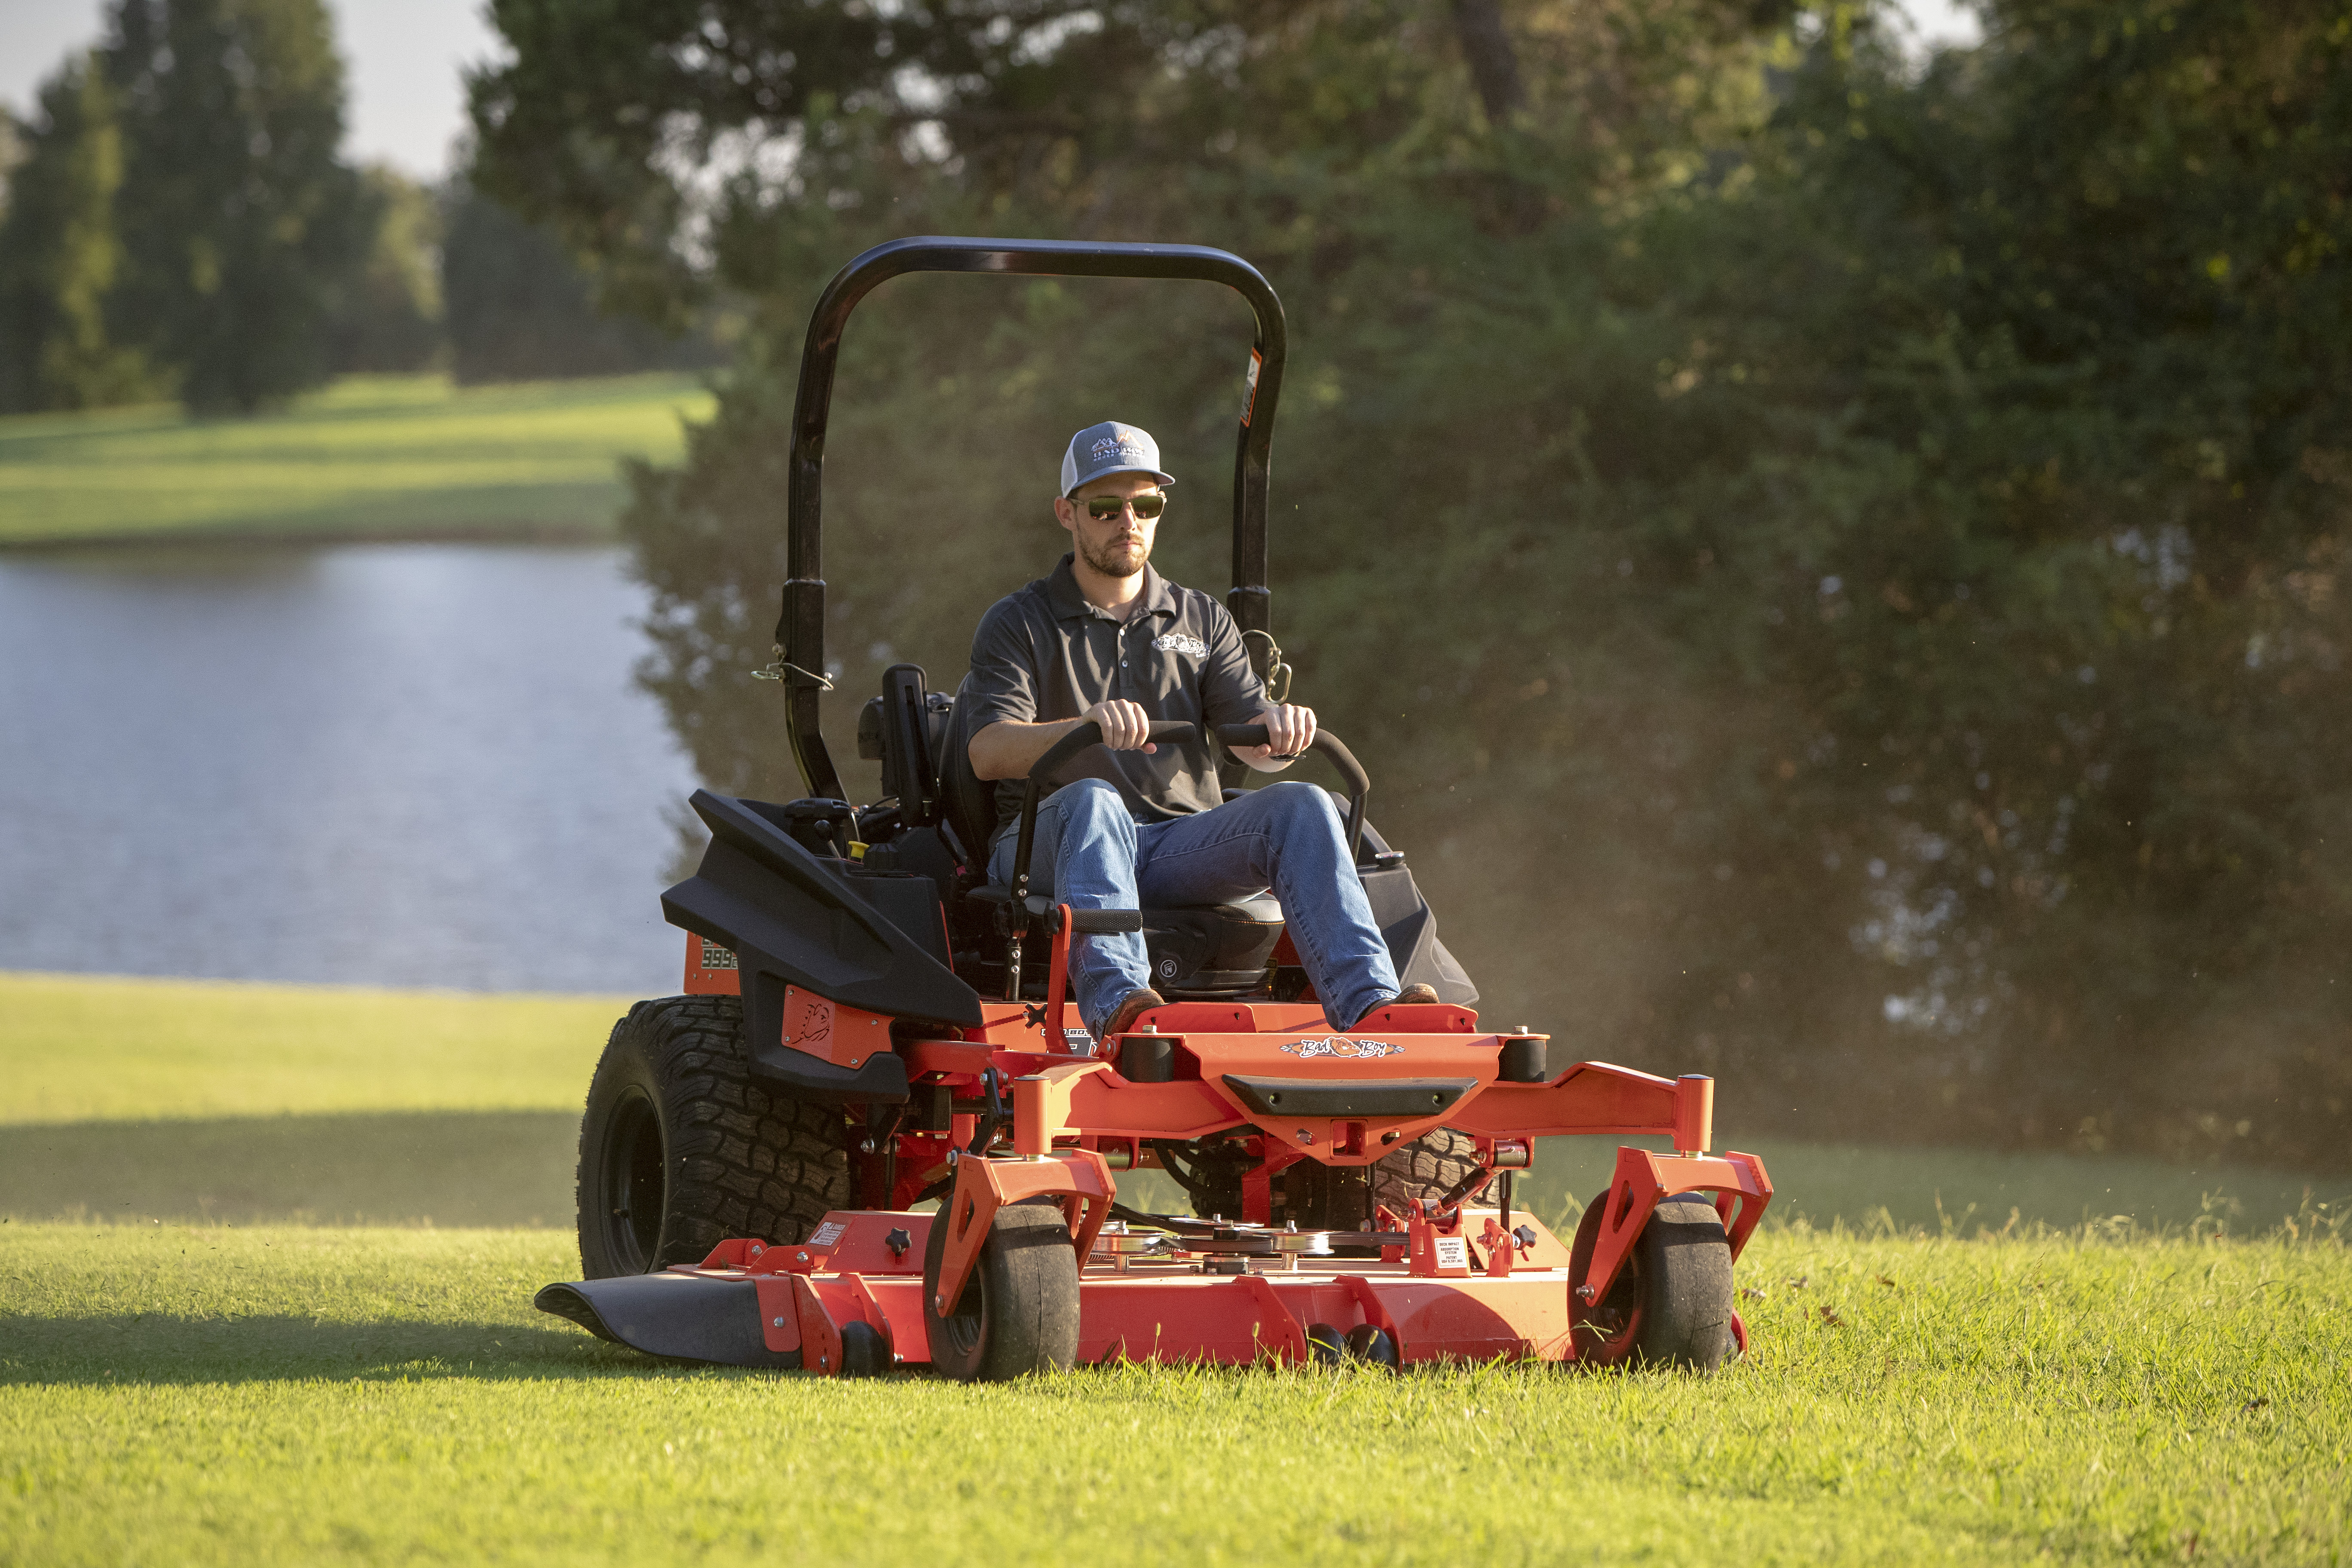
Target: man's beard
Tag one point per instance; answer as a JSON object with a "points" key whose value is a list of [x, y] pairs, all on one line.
{"points": [[1112, 558]]}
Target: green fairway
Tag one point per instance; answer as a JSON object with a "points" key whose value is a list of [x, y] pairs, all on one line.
{"points": [[128, 1099], [213, 1395], [371, 457], [78, 1047]]}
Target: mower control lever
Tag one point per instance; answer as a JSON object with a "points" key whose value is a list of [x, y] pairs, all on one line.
{"points": [[1087, 732], [1351, 771], [1104, 921]]}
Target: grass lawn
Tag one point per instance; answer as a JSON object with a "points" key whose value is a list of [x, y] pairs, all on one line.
{"points": [[182, 1384], [370, 457], [204, 1395]]}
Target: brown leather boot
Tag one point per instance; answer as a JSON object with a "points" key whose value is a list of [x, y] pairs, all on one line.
{"points": [[1123, 1016], [1412, 996]]}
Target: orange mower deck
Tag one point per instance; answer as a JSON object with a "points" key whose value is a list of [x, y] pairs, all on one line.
{"points": [[869, 1288]]}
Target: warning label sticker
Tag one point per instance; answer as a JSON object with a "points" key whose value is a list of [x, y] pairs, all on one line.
{"points": [[1451, 1251], [827, 1234]]}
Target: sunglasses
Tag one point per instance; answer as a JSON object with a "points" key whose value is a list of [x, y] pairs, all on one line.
{"points": [[1102, 508]]}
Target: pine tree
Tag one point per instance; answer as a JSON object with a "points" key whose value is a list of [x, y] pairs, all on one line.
{"points": [[240, 222], [60, 255]]}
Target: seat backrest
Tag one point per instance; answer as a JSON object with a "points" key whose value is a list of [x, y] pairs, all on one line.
{"points": [[967, 800], [905, 729]]}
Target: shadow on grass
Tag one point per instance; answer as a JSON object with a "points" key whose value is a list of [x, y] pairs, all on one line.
{"points": [[514, 1168], [161, 1348], [497, 1168]]}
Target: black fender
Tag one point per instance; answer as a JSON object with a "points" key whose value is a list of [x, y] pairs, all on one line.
{"points": [[882, 1080], [791, 920]]}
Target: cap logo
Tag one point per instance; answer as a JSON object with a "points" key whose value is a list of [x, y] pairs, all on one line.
{"points": [[1107, 449]]}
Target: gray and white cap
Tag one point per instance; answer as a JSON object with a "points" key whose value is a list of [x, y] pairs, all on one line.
{"points": [[1110, 448]]}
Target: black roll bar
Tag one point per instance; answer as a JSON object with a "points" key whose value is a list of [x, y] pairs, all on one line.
{"points": [[799, 628]]}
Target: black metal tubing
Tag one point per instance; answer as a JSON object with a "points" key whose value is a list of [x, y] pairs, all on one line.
{"points": [[799, 629], [1086, 733], [1351, 772]]}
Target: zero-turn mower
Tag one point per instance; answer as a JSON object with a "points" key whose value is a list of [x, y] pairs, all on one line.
{"points": [[868, 1025]]}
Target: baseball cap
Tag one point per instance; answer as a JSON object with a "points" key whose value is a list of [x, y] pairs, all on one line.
{"points": [[1110, 448]]}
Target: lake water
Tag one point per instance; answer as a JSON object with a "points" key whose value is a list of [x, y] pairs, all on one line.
{"points": [[386, 764]]}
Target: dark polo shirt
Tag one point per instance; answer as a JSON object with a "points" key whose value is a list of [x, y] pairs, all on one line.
{"points": [[1044, 653]]}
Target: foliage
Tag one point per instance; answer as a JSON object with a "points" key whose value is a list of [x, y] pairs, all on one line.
{"points": [[218, 1395], [387, 316], [1835, 557], [238, 217], [60, 255], [519, 308]]}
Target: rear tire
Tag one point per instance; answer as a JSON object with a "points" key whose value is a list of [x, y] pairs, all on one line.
{"points": [[680, 1149], [1670, 1304], [1428, 1167], [1316, 1196], [1019, 1309]]}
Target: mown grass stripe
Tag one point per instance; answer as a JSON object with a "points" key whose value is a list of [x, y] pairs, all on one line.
{"points": [[365, 1396]]}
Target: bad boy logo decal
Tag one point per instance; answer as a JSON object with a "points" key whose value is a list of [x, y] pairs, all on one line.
{"points": [[1341, 1046], [1177, 641]]}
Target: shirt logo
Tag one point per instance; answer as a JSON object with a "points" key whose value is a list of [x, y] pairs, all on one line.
{"points": [[1177, 641], [1341, 1045]]}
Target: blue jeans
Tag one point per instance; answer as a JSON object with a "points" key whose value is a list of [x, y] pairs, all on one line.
{"points": [[1287, 836]]}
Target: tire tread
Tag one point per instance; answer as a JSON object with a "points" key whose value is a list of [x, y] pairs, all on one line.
{"points": [[743, 1159]]}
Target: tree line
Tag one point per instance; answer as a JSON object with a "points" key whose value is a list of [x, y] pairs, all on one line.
{"points": [[180, 221], [1832, 555]]}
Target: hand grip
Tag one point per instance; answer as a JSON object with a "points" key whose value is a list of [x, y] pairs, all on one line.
{"points": [[1351, 771], [1085, 733], [1088, 732]]}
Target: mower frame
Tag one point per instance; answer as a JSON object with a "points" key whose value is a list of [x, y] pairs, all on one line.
{"points": [[991, 1105]]}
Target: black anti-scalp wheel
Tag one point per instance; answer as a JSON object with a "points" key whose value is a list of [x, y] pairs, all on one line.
{"points": [[1019, 1310], [1366, 1343], [1670, 1304], [862, 1351]]}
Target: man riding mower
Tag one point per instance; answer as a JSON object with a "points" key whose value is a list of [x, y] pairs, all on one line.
{"points": [[1241, 988]]}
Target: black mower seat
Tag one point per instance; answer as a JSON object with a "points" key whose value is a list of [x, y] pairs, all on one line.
{"points": [[1210, 949]]}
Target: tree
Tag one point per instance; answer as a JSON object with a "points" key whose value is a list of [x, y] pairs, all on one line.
{"points": [[387, 314], [239, 222], [1840, 564], [521, 309], [60, 255]]}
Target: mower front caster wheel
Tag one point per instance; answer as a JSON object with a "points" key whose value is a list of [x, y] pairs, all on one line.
{"points": [[1019, 1309], [1671, 1302]]}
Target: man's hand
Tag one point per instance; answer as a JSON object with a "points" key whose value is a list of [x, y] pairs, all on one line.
{"points": [[1289, 729], [1124, 724], [1008, 748]]}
